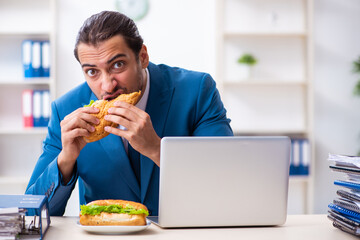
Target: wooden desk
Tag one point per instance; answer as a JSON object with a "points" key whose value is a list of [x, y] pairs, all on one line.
{"points": [[302, 227]]}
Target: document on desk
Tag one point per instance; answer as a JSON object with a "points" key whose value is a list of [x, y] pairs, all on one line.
{"points": [[10, 222], [345, 160], [345, 210]]}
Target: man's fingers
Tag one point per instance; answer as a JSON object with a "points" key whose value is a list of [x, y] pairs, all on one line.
{"points": [[77, 132], [88, 110], [79, 123], [129, 107], [117, 131]]}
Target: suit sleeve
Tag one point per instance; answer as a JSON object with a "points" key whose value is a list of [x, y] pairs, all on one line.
{"points": [[46, 178], [210, 117]]}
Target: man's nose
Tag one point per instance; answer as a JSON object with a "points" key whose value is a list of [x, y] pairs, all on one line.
{"points": [[108, 83]]}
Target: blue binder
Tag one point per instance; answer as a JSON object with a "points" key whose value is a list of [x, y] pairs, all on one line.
{"points": [[45, 59], [344, 211], [36, 59], [347, 184], [45, 107], [300, 153], [26, 58], [38, 205]]}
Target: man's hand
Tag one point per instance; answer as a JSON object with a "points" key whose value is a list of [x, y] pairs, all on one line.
{"points": [[139, 131], [74, 127]]}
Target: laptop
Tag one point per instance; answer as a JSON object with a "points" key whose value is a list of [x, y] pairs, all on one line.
{"points": [[223, 181]]}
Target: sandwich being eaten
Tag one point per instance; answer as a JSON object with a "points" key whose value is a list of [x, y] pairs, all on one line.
{"points": [[113, 212], [103, 106]]}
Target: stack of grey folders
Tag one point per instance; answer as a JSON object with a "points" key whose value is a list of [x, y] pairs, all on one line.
{"points": [[344, 211], [11, 223]]}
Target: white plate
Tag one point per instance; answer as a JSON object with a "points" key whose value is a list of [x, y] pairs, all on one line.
{"points": [[114, 229]]}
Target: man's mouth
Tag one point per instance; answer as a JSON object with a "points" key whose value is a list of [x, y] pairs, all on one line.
{"points": [[113, 95]]}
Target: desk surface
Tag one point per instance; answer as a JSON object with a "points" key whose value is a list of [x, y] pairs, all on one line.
{"points": [[296, 227]]}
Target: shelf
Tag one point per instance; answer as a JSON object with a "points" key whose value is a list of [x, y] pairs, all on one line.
{"points": [[25, 82], [23, 34], [24, 131], [298, 178], [269, 132], [265, 34], [258, 83]]}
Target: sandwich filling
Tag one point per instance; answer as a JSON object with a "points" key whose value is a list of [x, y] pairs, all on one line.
{"points": [[90, 104], [97, 209]]}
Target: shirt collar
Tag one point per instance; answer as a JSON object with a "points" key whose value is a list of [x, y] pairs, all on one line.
{"points": [[143, 101]]}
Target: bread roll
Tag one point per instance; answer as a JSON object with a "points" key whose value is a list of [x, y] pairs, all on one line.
{"points": [[123, 219], [103, 106]]}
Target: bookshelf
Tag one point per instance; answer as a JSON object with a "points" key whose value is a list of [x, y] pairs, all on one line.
{"points": [[21, 147], [276, 99]]}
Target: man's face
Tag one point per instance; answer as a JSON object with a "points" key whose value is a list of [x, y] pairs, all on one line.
{"points": [[111, 68]]}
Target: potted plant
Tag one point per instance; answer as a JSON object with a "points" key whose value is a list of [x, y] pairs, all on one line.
{"points": [[356, 91], [356, 69], [247, 61]]}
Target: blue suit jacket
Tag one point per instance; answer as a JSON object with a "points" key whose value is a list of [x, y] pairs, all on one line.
{"points": [[180, 103]]}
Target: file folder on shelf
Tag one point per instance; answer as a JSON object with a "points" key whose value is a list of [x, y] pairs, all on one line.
{"points": [[300, 157], [36, 59], [45, 59], [27, 103], [37, 108], [45, 107], [26, 58]]}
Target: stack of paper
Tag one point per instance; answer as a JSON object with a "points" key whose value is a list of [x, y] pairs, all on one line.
{"points": [[345, 209], [11, 223]]}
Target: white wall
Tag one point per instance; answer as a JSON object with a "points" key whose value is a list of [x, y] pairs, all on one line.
{"points": [[336, 45], [182, 35], [337, 111]]}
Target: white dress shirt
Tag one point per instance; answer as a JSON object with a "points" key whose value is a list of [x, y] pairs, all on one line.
{"points": [[141, 105]]}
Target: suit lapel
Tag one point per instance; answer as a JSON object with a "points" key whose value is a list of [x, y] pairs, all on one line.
{"points": [[157, 107], [115, 150]]}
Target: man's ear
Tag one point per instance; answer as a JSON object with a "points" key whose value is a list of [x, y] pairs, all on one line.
{"points": [[144, 57]]}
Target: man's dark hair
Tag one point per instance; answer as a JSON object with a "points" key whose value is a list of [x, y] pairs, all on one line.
{"points": [[105, 25]]}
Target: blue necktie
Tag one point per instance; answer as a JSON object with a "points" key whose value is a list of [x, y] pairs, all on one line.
{"points": [[134, 158]]}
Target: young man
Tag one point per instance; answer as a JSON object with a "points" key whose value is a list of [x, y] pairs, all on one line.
{"points": [[125, 164]]}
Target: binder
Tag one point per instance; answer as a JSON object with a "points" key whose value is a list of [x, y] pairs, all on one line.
{"points": [[347, 204], [347, 184], [36, 59], [343, 226], [344, 211], [295, 157], [27, 115], [348, 170], [37, 221], [45, 107], [26, 58], [37, 108], [45, 59], [300, 157], [348, 195], [350, 220], [304, 156]]}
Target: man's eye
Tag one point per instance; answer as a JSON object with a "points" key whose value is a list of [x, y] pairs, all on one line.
{"points": [[91, 72], [118, 65]]}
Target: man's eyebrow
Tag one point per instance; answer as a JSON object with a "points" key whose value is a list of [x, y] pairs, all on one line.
{"points": [[108, 62], [115, 57], [87, 65]]}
